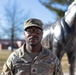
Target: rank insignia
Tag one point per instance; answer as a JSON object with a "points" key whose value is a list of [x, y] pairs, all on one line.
{"points": [[34, 70]]}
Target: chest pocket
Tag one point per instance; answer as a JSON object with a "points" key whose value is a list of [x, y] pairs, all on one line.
{"points": [[44, 68], [22, 69]]}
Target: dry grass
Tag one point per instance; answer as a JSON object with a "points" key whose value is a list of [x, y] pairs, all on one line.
{"points": [[65, 64], [4, 55]]}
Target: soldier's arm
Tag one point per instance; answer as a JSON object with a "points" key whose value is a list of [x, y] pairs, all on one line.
{"points": [[6, 70], [8, 67], [58, 68]]}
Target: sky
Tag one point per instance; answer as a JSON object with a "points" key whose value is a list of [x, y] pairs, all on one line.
{"points": [[33, 8], [39, 11]]}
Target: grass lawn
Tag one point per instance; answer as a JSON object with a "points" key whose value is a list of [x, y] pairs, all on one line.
{"points": [[65, 64], [4, 55]]}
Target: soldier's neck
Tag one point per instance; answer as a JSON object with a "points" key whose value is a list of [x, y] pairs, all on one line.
{"points": [[33, 48]]}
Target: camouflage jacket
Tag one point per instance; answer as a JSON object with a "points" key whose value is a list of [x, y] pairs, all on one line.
{"points": [[20, 63]]}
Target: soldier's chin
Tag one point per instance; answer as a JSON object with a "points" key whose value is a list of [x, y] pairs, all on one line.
{"points": [[33, 45]]}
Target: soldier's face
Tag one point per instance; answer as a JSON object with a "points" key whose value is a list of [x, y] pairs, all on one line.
{"points": [[33, 36]]}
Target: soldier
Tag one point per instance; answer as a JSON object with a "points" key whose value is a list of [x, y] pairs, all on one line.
{"points": [[32, 58]]}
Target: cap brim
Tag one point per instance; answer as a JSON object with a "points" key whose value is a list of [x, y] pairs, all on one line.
{"points": [[32, 25]]}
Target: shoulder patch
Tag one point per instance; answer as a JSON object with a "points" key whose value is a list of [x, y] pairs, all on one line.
{"points": [[5, 67]]}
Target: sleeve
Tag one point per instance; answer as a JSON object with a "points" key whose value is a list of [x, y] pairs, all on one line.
{"points": [[8, 67], [58, 68]]}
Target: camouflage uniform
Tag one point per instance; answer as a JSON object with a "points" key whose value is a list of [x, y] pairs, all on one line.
{"points": [[20, 63]]}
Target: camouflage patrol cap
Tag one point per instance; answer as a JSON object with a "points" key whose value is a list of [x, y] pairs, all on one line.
{"points": [[33, 22]]}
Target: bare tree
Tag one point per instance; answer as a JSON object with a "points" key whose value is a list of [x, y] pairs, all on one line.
{"points": [[1, 31], [15, 17]]}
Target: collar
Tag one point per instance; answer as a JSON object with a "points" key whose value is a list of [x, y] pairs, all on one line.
{"points": [[22, 54]]}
